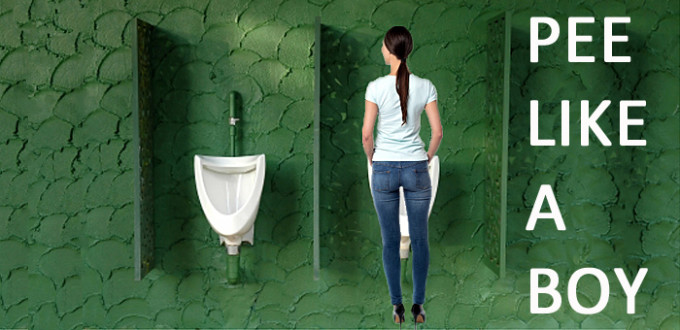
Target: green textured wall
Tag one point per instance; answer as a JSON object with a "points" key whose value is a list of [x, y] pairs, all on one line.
{"points": [[66, 217], [620, 204]]}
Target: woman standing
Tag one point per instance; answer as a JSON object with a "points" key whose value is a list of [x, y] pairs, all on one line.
{"points": [[399, 159]]}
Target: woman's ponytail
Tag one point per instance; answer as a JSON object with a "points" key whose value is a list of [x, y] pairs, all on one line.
{"points": [[402, 89], [399, 42]]}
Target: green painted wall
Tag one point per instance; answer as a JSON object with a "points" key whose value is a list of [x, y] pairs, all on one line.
{"points": [[620, 204], [66, 217]]}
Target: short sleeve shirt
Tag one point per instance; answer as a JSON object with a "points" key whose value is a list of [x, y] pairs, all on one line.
{"points": [[394, 141]]}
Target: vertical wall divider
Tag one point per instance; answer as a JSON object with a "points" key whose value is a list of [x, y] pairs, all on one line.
{"points": [[496, 166], [504, 147], [317, 141], [142, 141]]}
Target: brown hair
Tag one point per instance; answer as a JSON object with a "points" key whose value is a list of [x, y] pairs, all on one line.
{"points": [[398, 41]]}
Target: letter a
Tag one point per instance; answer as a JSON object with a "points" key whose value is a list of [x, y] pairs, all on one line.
{"points": [[545, 192]]}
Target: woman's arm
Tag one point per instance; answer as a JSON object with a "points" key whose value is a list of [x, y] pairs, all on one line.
{"points": [[367, 131], [432, 111]]}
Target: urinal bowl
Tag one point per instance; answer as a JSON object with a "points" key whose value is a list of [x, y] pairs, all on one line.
{"points": [[229, 190], [433, 169]]}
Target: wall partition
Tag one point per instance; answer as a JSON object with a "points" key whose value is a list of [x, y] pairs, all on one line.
{"points": [[496, 140], [143, 126]]}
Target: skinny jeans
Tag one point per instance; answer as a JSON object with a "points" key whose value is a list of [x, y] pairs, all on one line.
{"points": [[386, 179]]}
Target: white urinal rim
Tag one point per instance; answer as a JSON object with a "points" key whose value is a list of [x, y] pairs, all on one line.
{"points": [[237, 161]]}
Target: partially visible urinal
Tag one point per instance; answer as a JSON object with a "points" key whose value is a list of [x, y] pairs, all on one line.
{"points": [[229, 189], [433, 169]]}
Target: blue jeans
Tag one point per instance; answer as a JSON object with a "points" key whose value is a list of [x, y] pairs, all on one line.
{"points": [[386, 179]]}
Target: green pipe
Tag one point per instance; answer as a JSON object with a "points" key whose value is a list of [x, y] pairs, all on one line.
{"points": [[232, 260], [232, 268], [232, 122]]}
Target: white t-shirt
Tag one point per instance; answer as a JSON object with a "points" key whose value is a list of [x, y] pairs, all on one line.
{"points": [[395, 142]]}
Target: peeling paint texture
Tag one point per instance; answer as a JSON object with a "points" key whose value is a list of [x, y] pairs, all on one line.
{"points": [[66, 211]]}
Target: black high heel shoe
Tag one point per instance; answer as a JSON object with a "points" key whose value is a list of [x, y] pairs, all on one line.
{"points": [[398, 314], [418, 314]]}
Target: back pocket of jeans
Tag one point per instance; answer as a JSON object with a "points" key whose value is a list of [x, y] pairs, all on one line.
{"points": [[381, 180], [422, 178]]}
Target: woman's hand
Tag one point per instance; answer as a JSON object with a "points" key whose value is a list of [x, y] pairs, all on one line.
{"points": [[429, 157]]}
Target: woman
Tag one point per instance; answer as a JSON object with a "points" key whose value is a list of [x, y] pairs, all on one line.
{"points": [[399, 159]]}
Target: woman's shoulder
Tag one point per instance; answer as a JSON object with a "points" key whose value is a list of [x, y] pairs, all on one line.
{"points": [[380, 83], [422, 80], [381, 79]]}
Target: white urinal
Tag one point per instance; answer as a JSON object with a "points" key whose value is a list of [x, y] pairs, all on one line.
{"points": [[229, 189], [433, 169]]}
